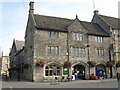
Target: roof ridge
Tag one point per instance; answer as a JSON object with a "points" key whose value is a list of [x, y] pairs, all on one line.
{"points": [[109, 16], [20, 40], [54, 17]]}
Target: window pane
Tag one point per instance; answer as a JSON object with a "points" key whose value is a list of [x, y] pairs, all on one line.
{"points": [[56, 35], [46, 68], [73, 51], [51, 72], [58, 72], [77, 36], [58, 67], [49, 34], [81, 37], [46, 72], [76, 51], [82, 51], [56, 50], [52, 34], [49, 50], [52, 50]]}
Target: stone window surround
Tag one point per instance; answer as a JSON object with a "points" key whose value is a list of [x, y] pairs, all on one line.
{"points": [[78, 36], [100, 52], [99, 39], [53, 34], [54, 46], [79, 53]]}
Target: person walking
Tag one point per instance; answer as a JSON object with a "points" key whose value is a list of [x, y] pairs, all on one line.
{"points": [[118, 76], [105, 75]]}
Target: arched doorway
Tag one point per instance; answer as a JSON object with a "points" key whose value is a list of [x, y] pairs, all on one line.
{"points": [[100, 70], [80, 70]]}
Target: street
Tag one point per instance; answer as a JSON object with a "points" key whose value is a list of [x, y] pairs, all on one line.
{"points": [[108, 83]]}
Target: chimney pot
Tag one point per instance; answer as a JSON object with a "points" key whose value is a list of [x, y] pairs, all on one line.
{"points": [[31, 7], [96, 12]]}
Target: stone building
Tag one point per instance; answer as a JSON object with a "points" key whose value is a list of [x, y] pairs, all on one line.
{"points": [[57, 47], [111, 26], [15, 59], [5, 64]]}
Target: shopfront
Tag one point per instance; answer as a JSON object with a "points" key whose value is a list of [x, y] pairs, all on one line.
{"points": [[100, 70], [79, 72]]}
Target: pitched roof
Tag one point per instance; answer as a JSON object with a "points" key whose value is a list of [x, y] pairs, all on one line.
{"points": [[19, 44], [55, 23], [113, 22], [48, 22], [95, 29]]}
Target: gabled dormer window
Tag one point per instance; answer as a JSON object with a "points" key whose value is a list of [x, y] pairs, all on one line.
{"points": [[53, 34], [78, 36]]}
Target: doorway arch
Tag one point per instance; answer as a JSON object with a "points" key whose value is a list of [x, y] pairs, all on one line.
{"points": [[100, 68], [80, 70]]}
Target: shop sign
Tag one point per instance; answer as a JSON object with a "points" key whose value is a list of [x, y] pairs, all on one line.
{"points": [[108, 71], [65, 71]]}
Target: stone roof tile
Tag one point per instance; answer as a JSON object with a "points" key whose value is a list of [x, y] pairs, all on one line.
{"points": [[55, 23]]}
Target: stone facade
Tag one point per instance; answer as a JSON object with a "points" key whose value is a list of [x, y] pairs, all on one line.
{"points": [[52, 41], [5, 64], [15, 57]]}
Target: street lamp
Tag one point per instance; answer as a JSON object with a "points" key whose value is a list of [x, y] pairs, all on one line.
{"points": [[88, 45]]}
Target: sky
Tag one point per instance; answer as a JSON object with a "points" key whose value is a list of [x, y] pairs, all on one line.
{"points": [[14, 15]]}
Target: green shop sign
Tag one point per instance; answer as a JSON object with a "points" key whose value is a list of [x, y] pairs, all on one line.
{"points": [[65, 71]]}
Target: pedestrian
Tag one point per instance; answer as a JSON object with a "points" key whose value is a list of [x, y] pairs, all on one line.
{"points": [[76, 76], [105, 75], [73, 76], [10, 74], [118, 76]]}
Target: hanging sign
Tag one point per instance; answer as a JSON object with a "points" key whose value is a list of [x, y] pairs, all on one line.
{"points": [[65, 71]]}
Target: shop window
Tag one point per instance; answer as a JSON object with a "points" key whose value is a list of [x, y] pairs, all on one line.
{"points": [[52, 70]]}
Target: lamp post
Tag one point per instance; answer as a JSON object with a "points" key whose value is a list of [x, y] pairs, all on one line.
{"points": [[68, 52], [88, 58], [88, 45]]}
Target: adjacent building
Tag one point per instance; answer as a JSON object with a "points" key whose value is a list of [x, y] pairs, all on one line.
{"points": [[5, 65], [55, 47], [15, 59]]}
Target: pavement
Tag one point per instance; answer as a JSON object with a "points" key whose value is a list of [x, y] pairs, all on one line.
{"points": [[74, 81], [104, 83]]}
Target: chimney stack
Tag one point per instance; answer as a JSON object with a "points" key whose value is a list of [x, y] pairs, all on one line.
{"points": [[31, 7], [96, 12]]}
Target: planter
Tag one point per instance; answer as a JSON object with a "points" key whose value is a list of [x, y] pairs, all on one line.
{"points": [[92, 63], [40, 63], [109, 64], [67, 64]]}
